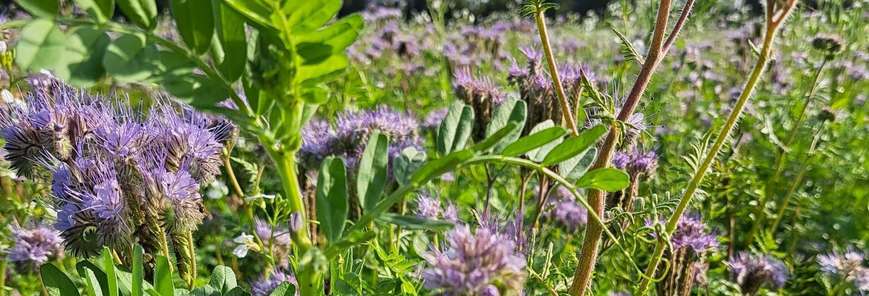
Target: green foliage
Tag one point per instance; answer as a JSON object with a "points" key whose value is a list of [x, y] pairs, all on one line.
{"points": [[332, 196], [455, 130], [372, 176]]}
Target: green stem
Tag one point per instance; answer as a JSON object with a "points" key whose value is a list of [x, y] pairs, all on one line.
{"points": [[760, 212], [796, 184], [3, 276], [723, 135], [567, 115]]}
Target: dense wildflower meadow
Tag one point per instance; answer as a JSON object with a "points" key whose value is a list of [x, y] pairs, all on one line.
{"points": [[284, 147]]}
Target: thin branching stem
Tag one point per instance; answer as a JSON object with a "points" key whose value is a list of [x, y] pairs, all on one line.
{"points": [[774, 19], [588, 253], [566, 112]]}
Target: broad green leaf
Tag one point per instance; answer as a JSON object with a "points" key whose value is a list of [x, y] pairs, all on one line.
{"points": [[143, 13], [195, 22], [163, 277], [334, 39], [414, 222], [40, 8], [456, 128], [441, 165], [237, 291], [574, 146], [606, 179], [285, 289], [230, 32], [138, 271], [372, 174], [512, 110], [223, 279], [129, 59], [125, 283], [84, 266], [497, 137], [536, 140], [406, 164], [92, 285], [537, 154], [42, 46], [57, 282], [100, 10], [332, 198], [109, 268], [310, 15], [576, 166], [310, 73], [197, 90], [85, 49], [255, 11], [206, 290]]}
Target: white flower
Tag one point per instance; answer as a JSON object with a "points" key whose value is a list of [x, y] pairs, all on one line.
{"points": [[240, 251], [245, 242], [7, 96]]}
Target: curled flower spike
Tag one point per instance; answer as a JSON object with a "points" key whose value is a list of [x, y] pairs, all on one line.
{"points": [[752, 272]]}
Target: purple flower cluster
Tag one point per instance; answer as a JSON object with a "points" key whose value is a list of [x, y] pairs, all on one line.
{"points": [[430, 208], [350, 135], [847, 266], [537, 89], [35, 246], [472, 44], [481, 94], [265, 285], [111, 167], [752, 272], [481, 262], [565, 211], [636, 162]]}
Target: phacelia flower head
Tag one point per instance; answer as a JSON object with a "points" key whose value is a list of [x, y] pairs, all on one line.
{"points": [[752, 272], [265, 285], [566, 212], [475, 263], [847, 266], [350, 135], [34, 246], [636, 162], [428, 207], [692, 233]]}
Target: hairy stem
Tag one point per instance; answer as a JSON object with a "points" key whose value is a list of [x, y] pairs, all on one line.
{"points": [[754, 78], [567, 115], [588, 254]]}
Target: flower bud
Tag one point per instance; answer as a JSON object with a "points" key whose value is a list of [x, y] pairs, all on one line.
{"points": [[830, 43]]}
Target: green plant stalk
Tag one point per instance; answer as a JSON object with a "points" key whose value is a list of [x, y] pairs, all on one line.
{"points": [[3, 276], [780, 161], [588, 254], [754, 78], [567, 115], [796, 184]]}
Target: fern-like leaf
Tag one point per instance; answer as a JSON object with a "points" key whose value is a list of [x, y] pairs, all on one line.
{"points": [[628, 51]]}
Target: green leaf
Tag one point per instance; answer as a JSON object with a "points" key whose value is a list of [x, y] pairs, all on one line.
{"points": [[84, 267], [138, 271], [206, 290], [406, 164], [232, 37], [143, 13], [312, 73], [371, 177], [512, 110], [109, 268], [100, 10], [456, 128], [606, 179], [195, 22], [530, 143], [254, 10], [42, 46], [237, 291], [85, 49], [334, 39], [332, 198], [196, 90], [440, 166], [223, 279], [163, 277], [574, 146], [40, 8], [128, 59], [92, 286], [310, 15], [576, 166], [57, 282], [497, 137], [414, 222], [285, 289]]}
